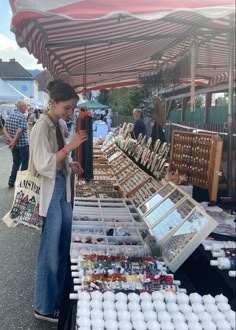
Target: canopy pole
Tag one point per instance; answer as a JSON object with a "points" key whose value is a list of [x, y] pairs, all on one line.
{"points": [[193, 75], [230, 109]]}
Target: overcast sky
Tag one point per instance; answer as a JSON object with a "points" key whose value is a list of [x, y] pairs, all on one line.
{"points": [[8, 46]]}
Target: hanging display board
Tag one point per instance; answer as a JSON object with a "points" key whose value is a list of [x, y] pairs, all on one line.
{"points": [[198, 156]]}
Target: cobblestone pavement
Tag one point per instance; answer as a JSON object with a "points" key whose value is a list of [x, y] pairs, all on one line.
{"points": [[18, 251]]}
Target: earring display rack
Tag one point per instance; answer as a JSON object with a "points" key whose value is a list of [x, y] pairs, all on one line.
{"points": [[154, 159], [133, 181], [198, 156]]}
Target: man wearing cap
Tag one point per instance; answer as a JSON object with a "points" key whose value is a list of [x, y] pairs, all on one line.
{"points": [[16, 131]]}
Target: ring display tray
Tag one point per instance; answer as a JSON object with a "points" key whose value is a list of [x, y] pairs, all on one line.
{"points": [[156, 198], [110, 225], [177, 223], [187, 237], [172, 219], [168, 203], [144, 192]]}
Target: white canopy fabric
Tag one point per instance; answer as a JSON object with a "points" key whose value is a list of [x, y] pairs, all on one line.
{"points": [[97, 44], [8, 93]]}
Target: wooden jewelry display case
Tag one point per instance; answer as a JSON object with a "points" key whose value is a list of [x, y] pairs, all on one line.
{"points": [[198, 157]]}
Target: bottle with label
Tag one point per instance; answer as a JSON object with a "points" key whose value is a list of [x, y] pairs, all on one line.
{"points": [[224, 253], [217, 245], [224, 263]]}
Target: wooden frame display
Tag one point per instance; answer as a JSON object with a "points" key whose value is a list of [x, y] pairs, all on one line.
{"points": [[198, 156]]}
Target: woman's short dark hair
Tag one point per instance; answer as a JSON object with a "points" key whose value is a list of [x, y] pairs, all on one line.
{"points": [[61, 91]]}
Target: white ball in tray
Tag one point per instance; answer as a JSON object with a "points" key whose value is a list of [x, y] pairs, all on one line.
{"points": [[172, 307], [170, 296], [224, 325], [84, 295], [94, 303], [136, 316], [218, 316], [221, 298], [120, 296], [108, 305], [146, 305], [133, 297], [153, 325], [164, 316], [110, 314], [133, 307], [194, 326], [185, 309], [208, 299], [209, 325], [159, 305], [144, 296], [111, 325], [182, 298], [139, 325], [98, 323], [198, 308], [96, 313], [97, 295], [121, 306], [157, 296], [150, 315], [84, 321], [167, 325], [124, 315], [178, 317], [223, 307], [109, 296], [205, 316], [125, 325], [181, 326], [195, 298]]}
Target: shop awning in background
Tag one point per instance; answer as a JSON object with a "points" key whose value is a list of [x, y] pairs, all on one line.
{"points": [[98, 44], [93, 105]]}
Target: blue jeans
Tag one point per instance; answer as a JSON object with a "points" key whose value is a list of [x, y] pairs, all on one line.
{"points": [[53, 257], [20, 157]]}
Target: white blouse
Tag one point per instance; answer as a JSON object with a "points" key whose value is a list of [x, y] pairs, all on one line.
{"points": [[43, 149]]}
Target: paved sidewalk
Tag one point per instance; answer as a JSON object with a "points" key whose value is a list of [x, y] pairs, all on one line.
{"points": [[18, 251]]}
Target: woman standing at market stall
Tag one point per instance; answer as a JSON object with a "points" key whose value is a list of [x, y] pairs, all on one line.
{"points": [[49, 159]]}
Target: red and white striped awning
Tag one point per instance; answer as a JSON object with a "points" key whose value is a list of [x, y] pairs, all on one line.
{"points": [[98, 44]]}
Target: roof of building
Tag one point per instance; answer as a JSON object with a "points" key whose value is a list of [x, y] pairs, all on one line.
{"points": [[13, 70]]}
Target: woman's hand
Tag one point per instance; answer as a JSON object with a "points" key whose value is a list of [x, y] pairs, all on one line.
{"points": [[78, 139], [76, 168]]}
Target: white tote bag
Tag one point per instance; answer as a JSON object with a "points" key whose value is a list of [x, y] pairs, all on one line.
{"points": [[25, 207]]}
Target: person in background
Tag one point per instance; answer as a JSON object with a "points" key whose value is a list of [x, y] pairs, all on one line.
{"points": [[49, 158], [139, 125], [16, 132], [108, 119], [100, 128], [158, 123]]}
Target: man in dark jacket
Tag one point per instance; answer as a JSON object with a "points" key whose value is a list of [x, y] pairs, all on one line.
{"points": [[139, 125]]}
